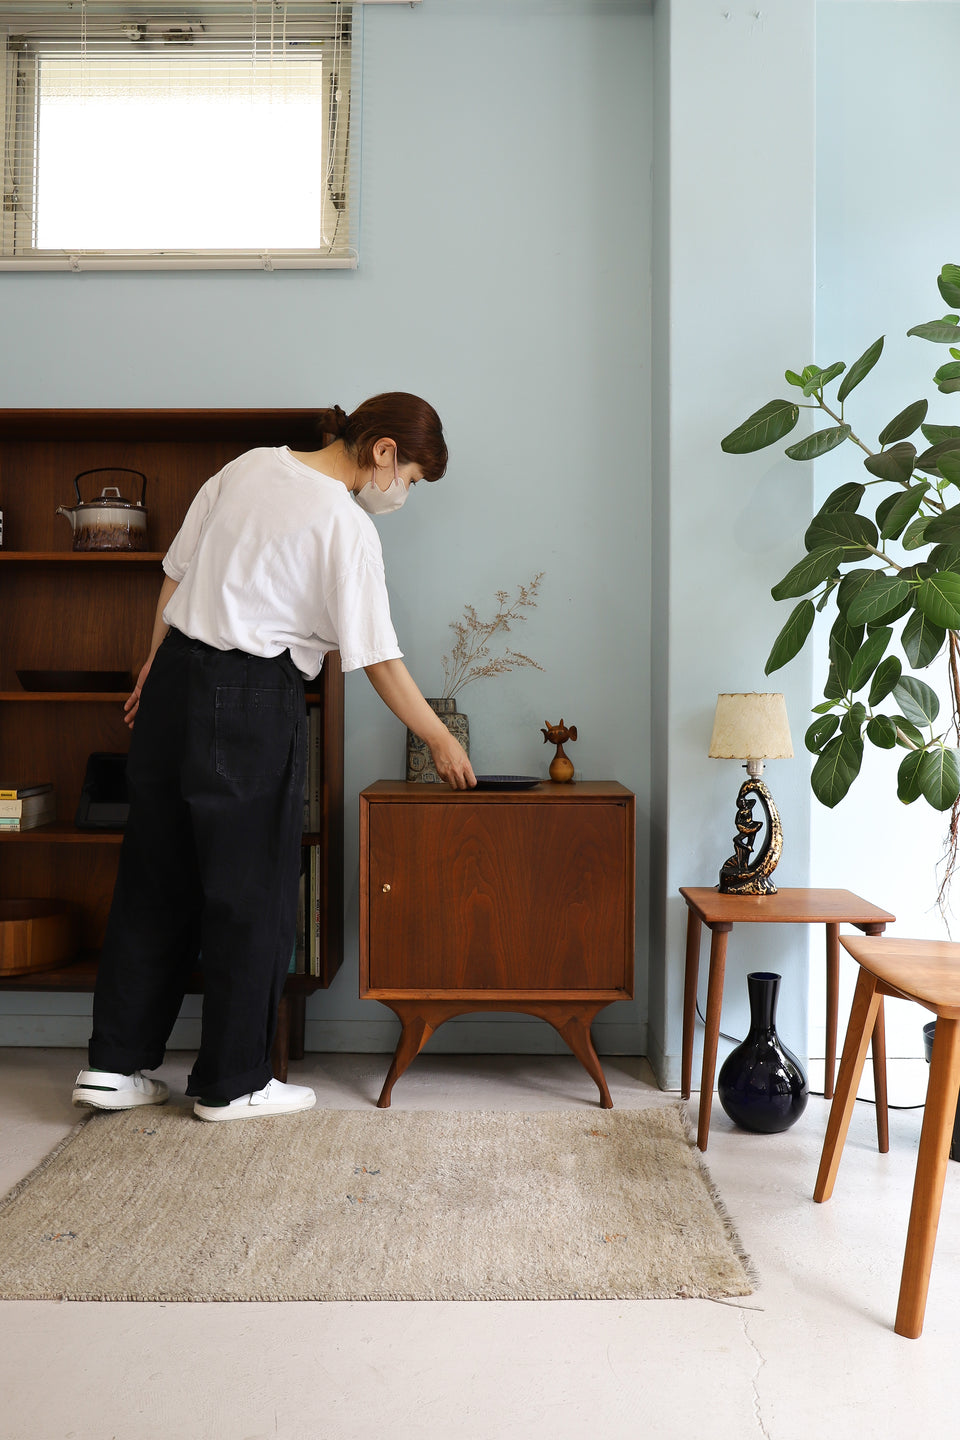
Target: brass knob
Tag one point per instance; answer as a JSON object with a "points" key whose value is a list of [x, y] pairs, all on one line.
{"points": [[386, 889]]}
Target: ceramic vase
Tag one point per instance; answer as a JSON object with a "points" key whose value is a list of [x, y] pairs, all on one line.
{"points": [[420, 764], [761, 1085]]}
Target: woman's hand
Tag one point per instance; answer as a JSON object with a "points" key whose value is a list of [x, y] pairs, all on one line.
{"points": [[393, 683], [132, 704], [451, 762]]}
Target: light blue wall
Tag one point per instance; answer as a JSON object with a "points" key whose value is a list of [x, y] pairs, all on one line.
{"points": [[888, 217], [734, 285], [504, 274]]}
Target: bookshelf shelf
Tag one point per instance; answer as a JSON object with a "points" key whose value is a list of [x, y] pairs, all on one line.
{"points": [[62, 609], [149, 558]]}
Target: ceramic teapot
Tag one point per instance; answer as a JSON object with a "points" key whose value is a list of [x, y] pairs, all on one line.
{"points": [[110, 522]]}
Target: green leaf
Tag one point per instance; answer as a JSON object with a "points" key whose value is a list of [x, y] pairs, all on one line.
{"points": [[867, 659], [860, 369], [845, 640], [917, 701], [921, 640], [939, 599], [793, 378], [836, 769], [820, 732], [950, 371], [791, 638], [808, 574], [885, 678], [908, 777], [877, 598], [828, 590], [831, 372], [819, 443], [942, 332], [845, 497], [764, 427], [842, 527], [851, 585], [949, 466], [945, 526], [811, 379], [945, 557], [822, 708], [901, 511], [949, 387], [882, 732], [939, 776], [948, 283], [929, 460], [936, 433], [909, 732], [915, 534], [896, 464], [904, 424]]}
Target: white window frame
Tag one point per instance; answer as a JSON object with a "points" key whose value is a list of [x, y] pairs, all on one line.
{"points": [[18, 108]]}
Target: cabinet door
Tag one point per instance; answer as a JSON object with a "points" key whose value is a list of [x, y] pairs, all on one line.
{"points": [[499, 897]]}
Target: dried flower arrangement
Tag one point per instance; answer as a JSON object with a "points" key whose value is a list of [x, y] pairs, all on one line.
{"points": [[470, 658]]}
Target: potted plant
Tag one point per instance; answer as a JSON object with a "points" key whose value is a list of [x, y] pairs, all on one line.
{"points": [[882, 554]]}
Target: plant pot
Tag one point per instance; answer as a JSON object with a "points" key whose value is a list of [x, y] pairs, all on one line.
{"points": [[420, 764], [761, 1085]]}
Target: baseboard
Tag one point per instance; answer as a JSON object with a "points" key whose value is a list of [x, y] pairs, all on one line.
{"points": [[467, 1036]]}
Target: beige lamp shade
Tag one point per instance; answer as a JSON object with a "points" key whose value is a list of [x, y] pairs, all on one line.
{"points": [[751, 727]]}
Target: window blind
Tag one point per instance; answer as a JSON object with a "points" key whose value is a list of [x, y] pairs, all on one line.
{"points": [[164, 134]]}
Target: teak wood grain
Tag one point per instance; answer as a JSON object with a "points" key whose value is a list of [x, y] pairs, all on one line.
{"points": [[497, 901]]}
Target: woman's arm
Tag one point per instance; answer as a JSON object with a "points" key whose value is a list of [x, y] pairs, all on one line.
{"points": [[160, 628], [397, 689]]}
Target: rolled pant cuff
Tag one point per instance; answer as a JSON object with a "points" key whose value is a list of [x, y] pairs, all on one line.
{"points": [[120, 1060], [231, 1087]]}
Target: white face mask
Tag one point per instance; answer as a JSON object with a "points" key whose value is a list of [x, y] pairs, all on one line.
{"points": [[381, 502]]}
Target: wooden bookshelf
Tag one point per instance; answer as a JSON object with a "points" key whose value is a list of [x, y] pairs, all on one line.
{"points": [[66, 610]]}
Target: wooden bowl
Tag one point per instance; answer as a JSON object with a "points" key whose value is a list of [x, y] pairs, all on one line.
{"points": [[34, 935]]}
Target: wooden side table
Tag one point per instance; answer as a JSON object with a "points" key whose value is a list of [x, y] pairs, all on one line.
{"points": [[707, 906], [496, 900]]}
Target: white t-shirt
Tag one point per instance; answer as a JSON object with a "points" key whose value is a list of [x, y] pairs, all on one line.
{"points": [[274, 556]]}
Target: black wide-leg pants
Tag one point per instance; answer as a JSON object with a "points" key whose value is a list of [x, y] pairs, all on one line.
{"points": [[209, 868]]}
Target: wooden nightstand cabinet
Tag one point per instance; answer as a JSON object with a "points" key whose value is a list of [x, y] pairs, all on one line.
{"points": [[496, 900]]}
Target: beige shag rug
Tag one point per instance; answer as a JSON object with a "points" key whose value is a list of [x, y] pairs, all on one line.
{"points": [[152, 1204]]}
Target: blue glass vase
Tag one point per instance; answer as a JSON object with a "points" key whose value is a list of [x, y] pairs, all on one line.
{"points": [[761, 1085]]}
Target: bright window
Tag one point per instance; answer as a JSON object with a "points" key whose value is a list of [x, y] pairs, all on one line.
{"points": [[157, 136]]}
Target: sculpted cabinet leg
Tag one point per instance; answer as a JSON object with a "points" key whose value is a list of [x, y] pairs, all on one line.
{"points": [[417, 1029]]}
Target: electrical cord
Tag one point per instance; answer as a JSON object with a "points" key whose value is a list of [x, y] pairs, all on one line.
{"points": [[819, 1093]]}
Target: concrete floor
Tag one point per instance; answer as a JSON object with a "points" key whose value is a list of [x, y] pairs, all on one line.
{"points": [[812, 1351]]}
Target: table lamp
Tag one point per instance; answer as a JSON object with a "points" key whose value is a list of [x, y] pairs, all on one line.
{"points": [[752, 728]]}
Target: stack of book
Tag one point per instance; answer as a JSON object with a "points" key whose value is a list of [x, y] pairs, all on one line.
{"points": [[307, 958], [24, 807]]}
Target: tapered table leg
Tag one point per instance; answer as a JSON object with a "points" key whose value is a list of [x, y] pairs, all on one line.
{"points": [[833, 1002], [690, 977], [932, 1158], [863, 1015], [718, 966], [879, 1048]]}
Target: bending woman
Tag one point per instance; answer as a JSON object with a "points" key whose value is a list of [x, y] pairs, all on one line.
{"points": [[276, 563]]}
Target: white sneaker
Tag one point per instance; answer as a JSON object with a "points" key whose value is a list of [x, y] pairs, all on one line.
{"points": [[104, 1090], [275, 1098]]}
